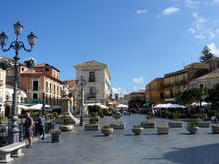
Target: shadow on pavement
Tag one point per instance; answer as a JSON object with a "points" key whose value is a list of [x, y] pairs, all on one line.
{"points": [[205, 154]]}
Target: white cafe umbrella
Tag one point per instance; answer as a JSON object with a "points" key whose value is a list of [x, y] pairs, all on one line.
{"points": [[38, 107]]}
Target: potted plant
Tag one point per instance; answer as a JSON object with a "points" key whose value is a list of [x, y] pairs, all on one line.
{"points": [[137, 129], [148, 123], [175, 124], [5, 64], [215, 129], [107, 130], [55, 136], [118, 124], [30, 62], [163, 129], [192, 127], [92, 126], [67, 124]]}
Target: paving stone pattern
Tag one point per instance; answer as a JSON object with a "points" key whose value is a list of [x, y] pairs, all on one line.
{"points": [[123, 147]]}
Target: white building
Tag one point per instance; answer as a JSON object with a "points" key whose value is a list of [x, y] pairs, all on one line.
{"points": [[97, 82], [2, 90]]}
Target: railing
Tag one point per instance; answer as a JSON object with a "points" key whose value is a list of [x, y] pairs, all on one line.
{"points": [[5, 130]]}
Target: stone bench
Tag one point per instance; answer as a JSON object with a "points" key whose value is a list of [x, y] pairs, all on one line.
{"points": [[204, 124], [175, 124], [12, 150], [94, 127]]}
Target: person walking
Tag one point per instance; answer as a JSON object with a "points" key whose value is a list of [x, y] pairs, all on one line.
{"points": [[41, 126], [28, 125]]}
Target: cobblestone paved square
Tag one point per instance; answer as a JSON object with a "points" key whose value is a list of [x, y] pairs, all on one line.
{"points": [[123, 147]]}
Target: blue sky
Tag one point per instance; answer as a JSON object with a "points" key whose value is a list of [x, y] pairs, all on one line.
{"points": [[138, 39]]}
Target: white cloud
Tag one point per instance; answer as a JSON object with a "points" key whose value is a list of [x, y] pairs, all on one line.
{"points": [[170, 10], [192, 3], [215, 2], [120, 91], [213, 48], [217, 31], [203, 28], [139, 80], [192, 30], [141, 11], [195, 15], [200, 36]]}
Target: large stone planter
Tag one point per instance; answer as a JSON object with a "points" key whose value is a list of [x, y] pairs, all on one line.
{"points": [[55, 137], [192, 129], [163, 130], [204, 124], [146, 124], [175, 124], [118, 126], [91, 127], [215, 129], [3, 128], [107, 132], [137, 131], [66, 128]]}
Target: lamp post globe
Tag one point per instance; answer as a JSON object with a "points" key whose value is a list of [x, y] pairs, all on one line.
{"points": [[32, 39], [3, 38], [18, 28]]}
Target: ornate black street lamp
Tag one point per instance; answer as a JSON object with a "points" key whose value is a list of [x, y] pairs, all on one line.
{"points": [[16, 45], [81, 83]]}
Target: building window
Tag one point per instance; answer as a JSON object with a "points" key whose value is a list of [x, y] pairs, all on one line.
{"points": [[213, 84], [184, 77], [47, 69], [178, 79], [50, 87], [35, 85], [91, 76], [35, 96], [170, 81], [201, 85], [47, 86], [92, 92], [57, 90], [171, 93]]}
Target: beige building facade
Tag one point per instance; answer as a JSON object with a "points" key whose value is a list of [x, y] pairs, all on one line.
{"points": [[97, 82], [2, 90], [208, 80]]}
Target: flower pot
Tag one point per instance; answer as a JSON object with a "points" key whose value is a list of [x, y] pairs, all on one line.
{"points": [[55, 137], [204, 124], [175, 124], [107, 132], [148, 124], [66, 128], [91, 127], [118, 126], [137, 131], [3, 128], [215, 129], [192, 129], [163, 130]]}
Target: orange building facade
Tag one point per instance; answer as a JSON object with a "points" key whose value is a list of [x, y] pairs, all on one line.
{"points": [[155, 91], [42, 81]]}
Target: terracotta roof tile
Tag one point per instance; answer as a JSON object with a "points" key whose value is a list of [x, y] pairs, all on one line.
{"points": [[91, 63]]}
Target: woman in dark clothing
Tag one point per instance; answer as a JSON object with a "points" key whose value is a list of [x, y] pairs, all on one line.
{"points": [[41, 126], [28, 129]]}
